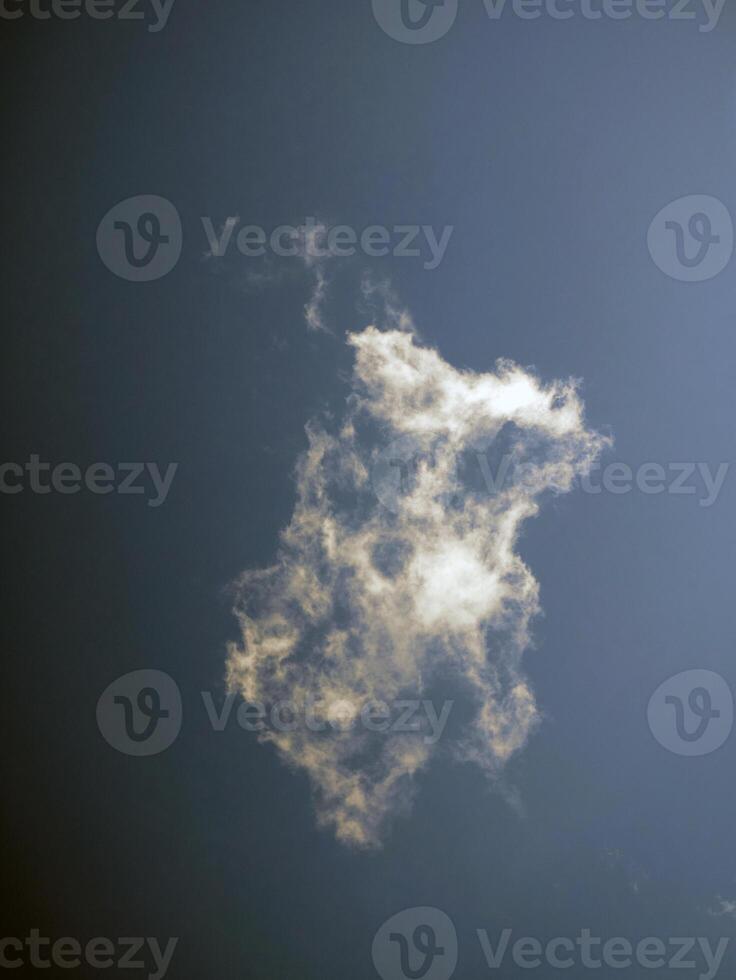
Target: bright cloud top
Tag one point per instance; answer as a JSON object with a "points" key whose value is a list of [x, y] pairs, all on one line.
{"points": [[371, 603]]}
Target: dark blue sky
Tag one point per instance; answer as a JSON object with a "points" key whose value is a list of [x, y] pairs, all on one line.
{"points": [[549, 147]]}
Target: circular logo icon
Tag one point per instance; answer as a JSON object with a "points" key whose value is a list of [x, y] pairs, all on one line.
{"points": [[140, 713], [691, 713], [395, 468], [419, 942], [140, 239], [692, 238], [415, 21], [392, 471], [342, 715]]}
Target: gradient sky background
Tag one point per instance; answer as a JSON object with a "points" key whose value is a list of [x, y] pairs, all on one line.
{"points": [[549, 146]]}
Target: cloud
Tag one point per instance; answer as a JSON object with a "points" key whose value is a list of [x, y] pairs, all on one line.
{"points": [[308, 243], [634, 876], [726, 906], [366, 602], [315, 252], [380, 300], [313, 312]]}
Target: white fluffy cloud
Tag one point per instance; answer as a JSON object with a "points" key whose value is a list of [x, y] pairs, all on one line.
{"points": [[367, 602]]}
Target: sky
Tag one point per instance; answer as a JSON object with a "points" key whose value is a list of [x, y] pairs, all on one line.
{"points": [[543, 169]]}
